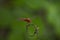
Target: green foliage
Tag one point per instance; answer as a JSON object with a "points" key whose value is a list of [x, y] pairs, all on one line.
{"points": [[25, 8]]}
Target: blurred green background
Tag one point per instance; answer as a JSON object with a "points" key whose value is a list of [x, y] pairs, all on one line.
{"points": [[44, 13]]}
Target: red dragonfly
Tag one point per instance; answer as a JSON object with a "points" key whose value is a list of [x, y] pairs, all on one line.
{"points": [[28, 20]]}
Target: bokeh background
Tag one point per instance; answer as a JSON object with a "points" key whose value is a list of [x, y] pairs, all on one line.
{"points": [[44, 13]]}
